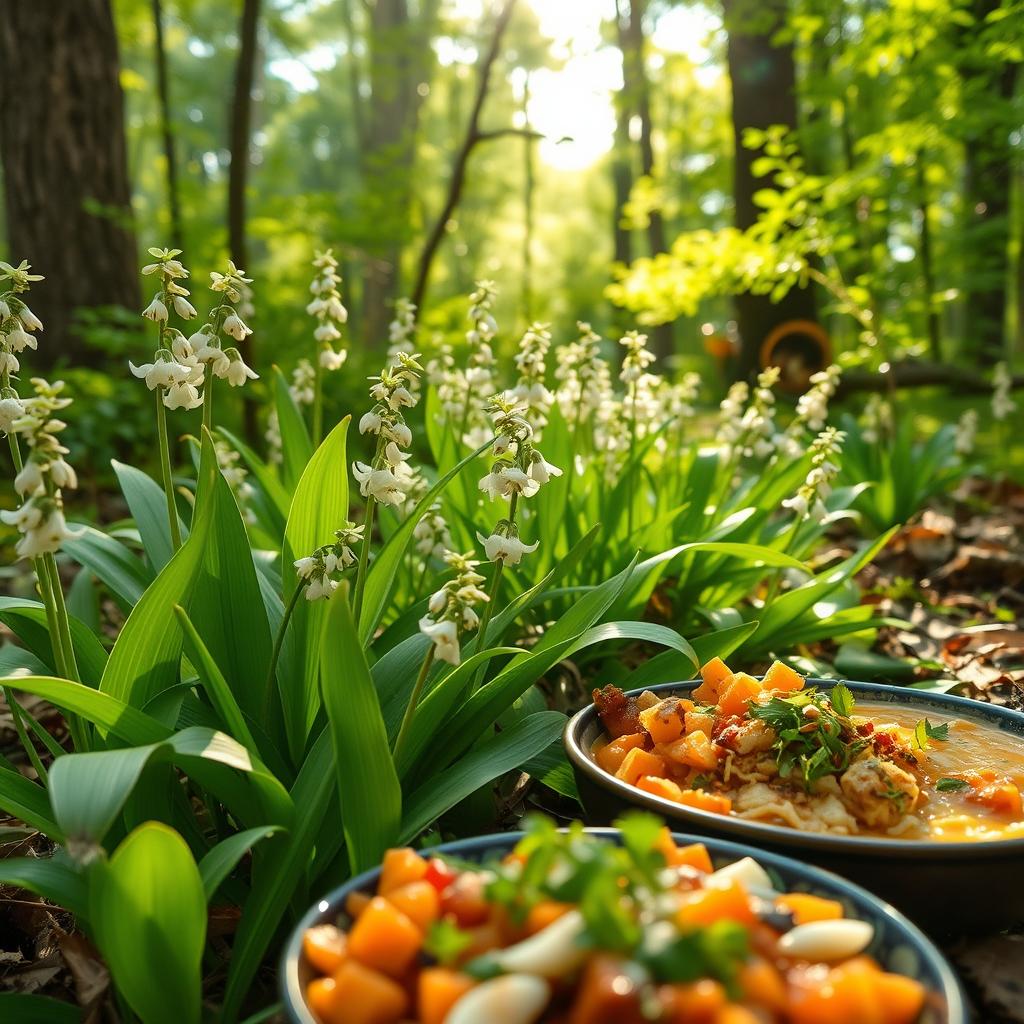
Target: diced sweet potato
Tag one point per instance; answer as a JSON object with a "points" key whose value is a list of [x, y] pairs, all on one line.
{"points": [[700, 721], [664, 721], [737, 1015], [763, 984], [324, 946], [359, 995], [419, 901], [1001, 797], [736, 693], [723, 903], [384, 938], [611, 755], [713, 674], [544, 913], [356, 902], [400, 867], [902, 998], [782, 677], [693, 855], [665, 788], [806, 908], [848, 995], [694, 1003], [638, 763], [695, 750], [437, 991], [705, 801], [608, 992]]}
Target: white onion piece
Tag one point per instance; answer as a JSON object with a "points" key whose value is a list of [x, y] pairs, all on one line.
{"points": [[508, 999], [826, 940], [746, 871], [552, 953]]}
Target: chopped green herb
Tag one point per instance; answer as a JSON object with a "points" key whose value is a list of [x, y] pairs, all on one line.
{"points": [[446, 942], [717, 951], [925, 731], [842, 700], [948, 785]]}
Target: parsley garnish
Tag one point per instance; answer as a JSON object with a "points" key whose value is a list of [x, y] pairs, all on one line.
{"points": [[446, 942], [925, 731], [948, 785], [814, 745], [713, 952]]}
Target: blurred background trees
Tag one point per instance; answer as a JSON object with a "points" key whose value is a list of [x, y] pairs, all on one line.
{"points": [[578, 164]]}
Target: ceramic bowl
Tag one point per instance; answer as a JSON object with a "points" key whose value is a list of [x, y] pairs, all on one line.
{"points": [[898, 945], [946, 887]]}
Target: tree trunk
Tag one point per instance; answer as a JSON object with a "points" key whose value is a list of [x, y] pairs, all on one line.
{"points": [[62, 142], [989, 160], [472, 138], [238, 177], [529, 190], [622, 156], [763, 94], [166, 128], [638, 97]]}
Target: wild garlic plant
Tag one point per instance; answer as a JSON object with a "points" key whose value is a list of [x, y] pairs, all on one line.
{"points": [[634, 367], [966, 432], [331, 315], [531, 363], [480, 373]]}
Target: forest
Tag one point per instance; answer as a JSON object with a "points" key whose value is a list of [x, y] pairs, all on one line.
{"points": [[410, 407]]}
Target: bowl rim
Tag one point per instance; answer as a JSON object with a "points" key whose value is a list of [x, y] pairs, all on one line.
{"points": [[293, 998], [756, 831]]}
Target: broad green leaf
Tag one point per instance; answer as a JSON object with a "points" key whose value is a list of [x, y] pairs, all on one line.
{"points": [[506, 751], [319, 507], [296, 448], [368, 787], [148, 506], [381, 577], [148, 914], [27, 620], [55, 878], [26, 800], [145, 657], [111, 562], [27, 1008], [278, 499], [551, 768], [279, 872], [221, 860], [226, 606]]}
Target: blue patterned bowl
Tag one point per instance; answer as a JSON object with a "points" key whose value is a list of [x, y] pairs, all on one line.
{"points": [[898, 945], [946, 888]]}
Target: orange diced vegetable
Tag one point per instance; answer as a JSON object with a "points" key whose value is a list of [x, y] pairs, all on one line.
{"points": [[714, 673], [902, 998], [705, 801], [384, 938], [464, 900], [694, 1003], [606, 993], [482, 939], [664, 721], [665, 788], [782, 677], [763, 984], [736, 693], [693, 855], [1001, 797], [699, 721], [438, 990], [419, 901], [638, 763], [806, 908], [356, 902], [737, 1015], [696, 750], [400, 867], [611, 755], [324, 946], [544, 913], [357, 995], [849, 994], [724, 903]]}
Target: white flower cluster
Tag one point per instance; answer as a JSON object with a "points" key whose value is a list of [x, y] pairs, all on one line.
{"points": [[876, 420], [452, 609], [1002, 384], [480, 379], [518, 470], [326, 306], [179, 364], [751, 435], [637, 358], [431, 534], [237, 477], [808, 501], [17, 322], [402, 330], [966, 432], [388, 479], [319, 569], [303, 384], [812, 405], [584, 380], [531, 362], [44, 474]]}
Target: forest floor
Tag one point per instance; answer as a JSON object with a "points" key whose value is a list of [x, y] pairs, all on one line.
{"points": [[954, 579]]}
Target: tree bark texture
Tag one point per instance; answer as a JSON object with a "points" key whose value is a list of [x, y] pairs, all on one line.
{"points": [[167, 127], [62, 143], [763, 94]]}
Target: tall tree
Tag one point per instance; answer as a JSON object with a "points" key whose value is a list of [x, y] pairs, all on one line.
{"points": [[622, 151], [763, 77], [62, 142], [636, 87], [166, 126], [238, 175]]}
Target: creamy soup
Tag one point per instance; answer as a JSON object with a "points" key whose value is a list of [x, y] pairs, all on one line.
{"points": [[776, 751]]}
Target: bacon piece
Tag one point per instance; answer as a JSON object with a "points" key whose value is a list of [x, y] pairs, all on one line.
{"points": [[619, 713]]}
